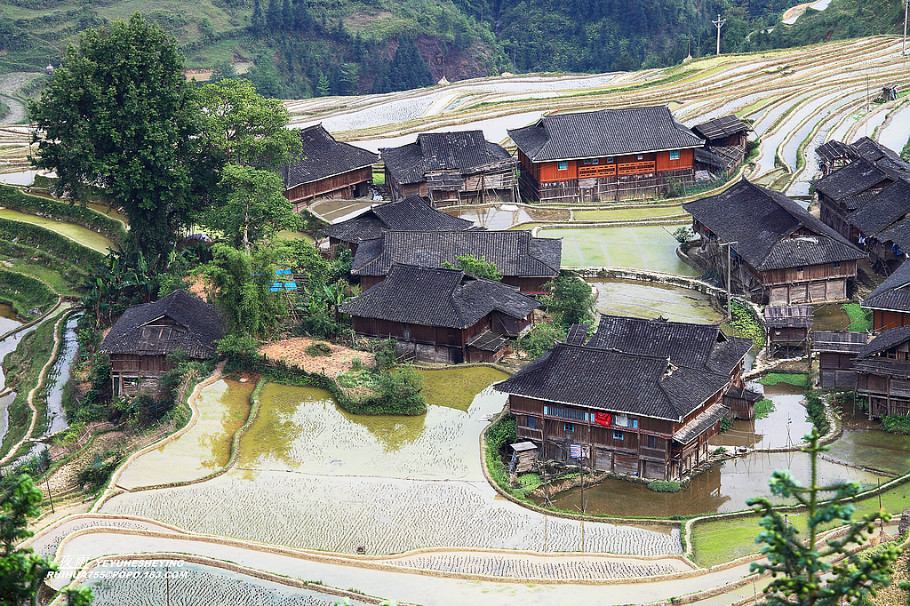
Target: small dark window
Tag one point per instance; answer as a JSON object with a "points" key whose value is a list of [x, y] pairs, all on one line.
{"points": [[568, 427], [617, 435], [800, 268], [587, 161], [562, 165], [609, 160], [837, 264], [652, 441], [532, 422], [674, 155], [641, 156]]}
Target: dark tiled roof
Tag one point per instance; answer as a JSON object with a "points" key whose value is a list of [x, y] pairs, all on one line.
{"points": [[618, 382], [322, 156], [608, 132], [894, 293], [515, 253], [898, 233], [885, 340], [577, 334], [873, 151], [437, 297], [741, 393], [408, 214], [466, 152], [700, 424], [720, 128], [833, 150], [824, 341], [856, 177], [886, 207], [761, 222], [899, 369], [198, 326], [683, 344]]}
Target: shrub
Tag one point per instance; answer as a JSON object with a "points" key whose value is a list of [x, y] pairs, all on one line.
{"points": [[725, 424], [664, 486], [763, 408], [540, 339], [816, 410], [399, 391], [386, 354], [99, 470], [897, 423], [318, 349], [237, 347], [745, 324]]}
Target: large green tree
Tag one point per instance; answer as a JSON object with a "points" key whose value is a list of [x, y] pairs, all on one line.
{"points": [[254, 207], [22, 571], [118, 116]]}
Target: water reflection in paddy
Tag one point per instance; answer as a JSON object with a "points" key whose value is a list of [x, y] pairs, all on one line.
{"points": [[223, 407], [505, 216], [783, 428], [8, 318], [830, 316], [645, 300], [724, 488], [865, 443], [303, 429]]}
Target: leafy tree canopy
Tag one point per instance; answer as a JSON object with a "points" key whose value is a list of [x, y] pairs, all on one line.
{"points": [[116, 115], [22, 572], [570, 300]]}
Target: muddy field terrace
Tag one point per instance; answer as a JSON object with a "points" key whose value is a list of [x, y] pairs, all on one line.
{"points": [[260, 487]]}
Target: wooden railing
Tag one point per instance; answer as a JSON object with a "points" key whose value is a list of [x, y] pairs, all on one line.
{"points": [[634, 168], [607, 170], [527, 432]]}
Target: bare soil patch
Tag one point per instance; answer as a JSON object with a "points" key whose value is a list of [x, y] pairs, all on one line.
{"points": [[339, 361]]}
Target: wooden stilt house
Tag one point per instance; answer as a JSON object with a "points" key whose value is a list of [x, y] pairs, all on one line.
{"points": [[604, 156], [725, 144], [779, 253], [641, 398], [890, 302], [788, 329], [145, 335], [837, 353], [883, 373]]}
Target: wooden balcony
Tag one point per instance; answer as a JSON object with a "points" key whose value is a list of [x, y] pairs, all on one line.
{"points": [[636, 168], [587, 172], [527, 432]]}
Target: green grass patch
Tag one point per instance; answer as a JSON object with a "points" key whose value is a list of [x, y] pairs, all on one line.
{"points": [[745, 324], [860, 319], [28, 296], [897, 423], [664, 486], [763, 408], [790, 378]]}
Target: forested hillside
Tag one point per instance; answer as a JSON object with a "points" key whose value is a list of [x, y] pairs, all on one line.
{"points": [[300, 48]]}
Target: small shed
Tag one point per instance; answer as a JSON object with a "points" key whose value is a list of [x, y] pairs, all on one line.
{"points": [[524, 455], [788, 328], [889, 92], [837, 353], [742, 402]]}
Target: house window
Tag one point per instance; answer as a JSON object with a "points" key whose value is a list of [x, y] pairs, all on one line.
{"points": [[532, 422], [800, 268], [617, 435], [609, 160], [837, 264], [562, 165], [568, 427], [652, 441], [674, 155], [641, 156]]}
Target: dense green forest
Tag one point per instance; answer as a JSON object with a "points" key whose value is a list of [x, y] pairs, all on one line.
{"points": [[300, 48]]}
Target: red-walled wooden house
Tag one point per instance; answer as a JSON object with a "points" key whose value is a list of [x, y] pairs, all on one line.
{"points": [[606, 155]]}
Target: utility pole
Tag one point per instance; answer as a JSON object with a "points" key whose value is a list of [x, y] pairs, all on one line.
{"points": [[904, 43], [729, 264], [719, 24]]}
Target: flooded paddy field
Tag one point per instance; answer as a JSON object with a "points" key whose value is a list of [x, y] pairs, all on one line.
{"points": [[646, 300], [80, 234], [374, 482], [867, 444], [724, 488], [190, 584], [223, 407], [639, 213], [505, 216], [59, 376], [8, 318], [302, 429], [830, 316], [382, 515], [650, 248], [784, 427]]}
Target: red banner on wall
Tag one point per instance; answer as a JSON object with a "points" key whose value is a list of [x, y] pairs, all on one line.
{"points": [[603, 418]]}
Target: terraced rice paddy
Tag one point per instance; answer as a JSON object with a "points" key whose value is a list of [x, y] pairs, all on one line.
{"points": [[638, 213], [80, 234], [784, 427], [505, 216], [223, 408], [188, 583], [645, 300], [651, 248]]}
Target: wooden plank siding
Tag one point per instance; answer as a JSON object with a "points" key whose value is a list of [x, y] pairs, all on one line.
{"points": [[346, 186], [643, 447], [883, 319], [435, 343]]}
